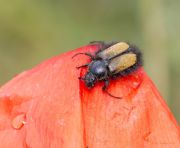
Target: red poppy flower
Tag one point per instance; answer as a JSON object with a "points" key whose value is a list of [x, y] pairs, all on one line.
{"points": [[49, 106]]}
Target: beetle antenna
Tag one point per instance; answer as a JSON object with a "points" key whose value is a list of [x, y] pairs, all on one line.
{"points": [[76, 55], [87, 54], [81, 78]]}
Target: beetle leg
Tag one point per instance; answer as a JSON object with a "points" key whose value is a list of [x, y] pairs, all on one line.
{"points": [[86, 53], [104, 88], [85, 65], [106, 84]]}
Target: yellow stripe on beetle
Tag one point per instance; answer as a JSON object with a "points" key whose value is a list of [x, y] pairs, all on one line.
{"points": [[122, 62], [113, 50]]}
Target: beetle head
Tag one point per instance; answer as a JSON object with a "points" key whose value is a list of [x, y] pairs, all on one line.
{"points": [[90, 80]]}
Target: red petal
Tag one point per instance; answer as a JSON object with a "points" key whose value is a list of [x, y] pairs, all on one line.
{"points": [[49, 107]]}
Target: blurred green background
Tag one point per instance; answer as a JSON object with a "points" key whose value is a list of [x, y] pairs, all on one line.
{"points": [[32, 31]]}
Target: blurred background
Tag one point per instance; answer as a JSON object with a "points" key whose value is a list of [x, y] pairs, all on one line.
{"points": [[32, 31]]}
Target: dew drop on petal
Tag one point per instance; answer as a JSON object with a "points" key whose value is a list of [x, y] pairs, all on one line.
{"points": [[19, 121]]}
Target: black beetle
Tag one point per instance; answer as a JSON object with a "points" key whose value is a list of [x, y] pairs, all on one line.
{"points": [[112, 60]]}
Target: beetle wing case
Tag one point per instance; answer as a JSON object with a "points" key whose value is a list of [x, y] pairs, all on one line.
{"points": [[113, 50], [122, 62]]}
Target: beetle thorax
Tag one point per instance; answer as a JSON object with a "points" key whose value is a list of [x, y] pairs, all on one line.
{"points": [[99, 69]]}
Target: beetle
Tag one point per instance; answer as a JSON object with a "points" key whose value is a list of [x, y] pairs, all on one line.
{"points": [[112, 60]]}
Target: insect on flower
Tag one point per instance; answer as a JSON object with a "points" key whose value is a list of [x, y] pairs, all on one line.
{"points": [[112, 60]]}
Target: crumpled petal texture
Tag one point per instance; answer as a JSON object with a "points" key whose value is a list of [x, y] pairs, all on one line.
{"points": [[49, 106]]}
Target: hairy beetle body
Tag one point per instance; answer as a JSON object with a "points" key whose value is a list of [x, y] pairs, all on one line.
{"points": [[111, 61]]}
